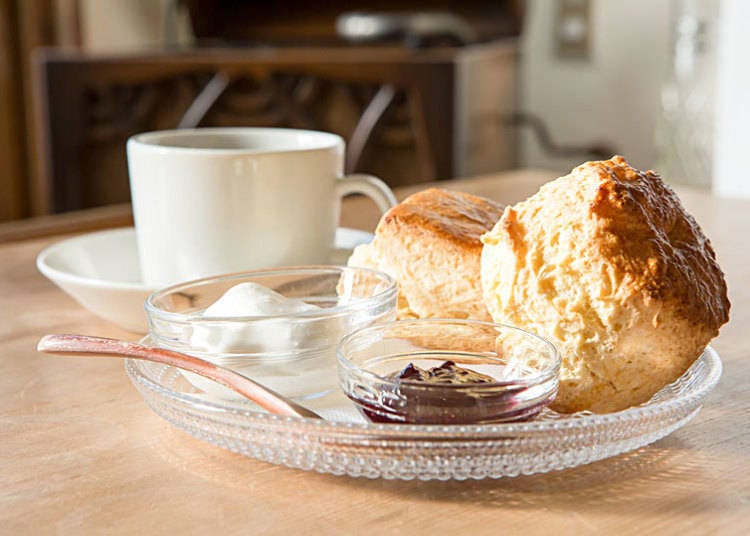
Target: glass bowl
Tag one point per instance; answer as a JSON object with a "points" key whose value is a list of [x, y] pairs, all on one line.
{"points": [[292, 353], [515, 373]]}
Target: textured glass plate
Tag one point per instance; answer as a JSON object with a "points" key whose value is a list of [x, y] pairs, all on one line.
{"points": [[550, 442]]}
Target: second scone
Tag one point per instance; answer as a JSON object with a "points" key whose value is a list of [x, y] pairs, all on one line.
{"points": [[607, 264], [431, 244]]}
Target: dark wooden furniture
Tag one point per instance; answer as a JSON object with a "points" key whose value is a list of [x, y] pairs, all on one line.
{"points": [[443, 105], [25, 25], [12, 146], [301, 22]]}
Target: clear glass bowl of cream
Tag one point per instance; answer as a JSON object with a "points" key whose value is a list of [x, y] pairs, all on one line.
{"points": [[280, 326]]}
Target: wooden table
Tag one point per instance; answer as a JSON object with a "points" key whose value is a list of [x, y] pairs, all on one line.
{"points": [[81, 453]]}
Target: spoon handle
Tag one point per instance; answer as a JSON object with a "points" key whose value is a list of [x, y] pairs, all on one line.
{"points": [[269, 400]]}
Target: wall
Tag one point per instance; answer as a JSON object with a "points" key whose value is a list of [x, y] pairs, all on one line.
{"points": [[732, 141], [613, 96], [118, 25], [126, 25]]}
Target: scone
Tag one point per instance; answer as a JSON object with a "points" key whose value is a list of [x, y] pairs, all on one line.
{"points": [[431, 244], [607, 264]]}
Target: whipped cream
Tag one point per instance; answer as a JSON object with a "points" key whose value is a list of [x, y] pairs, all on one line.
{"points": [[294, 356], [269, 335], [253, 299]]}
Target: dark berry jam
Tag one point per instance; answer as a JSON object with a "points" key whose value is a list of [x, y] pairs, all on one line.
{"points": [[447, 394], [446, 374]]}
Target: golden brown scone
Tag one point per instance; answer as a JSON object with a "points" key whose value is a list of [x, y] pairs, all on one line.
{"points": [[431, 244], [607, 264]]}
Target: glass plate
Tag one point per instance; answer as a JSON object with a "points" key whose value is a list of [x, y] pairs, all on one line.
{"points": [[347, 447]]}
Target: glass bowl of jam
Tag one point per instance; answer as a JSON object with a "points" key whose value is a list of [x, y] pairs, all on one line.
{"points": [[437, 371]]}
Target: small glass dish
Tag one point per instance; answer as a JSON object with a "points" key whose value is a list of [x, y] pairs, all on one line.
{"points": [[292, 353], [520, 372]]}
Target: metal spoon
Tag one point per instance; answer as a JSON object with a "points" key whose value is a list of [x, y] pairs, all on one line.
{"points": [[269, 400]]}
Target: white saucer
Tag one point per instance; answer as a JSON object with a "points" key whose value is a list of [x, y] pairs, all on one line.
{"points": [[101, 271]]}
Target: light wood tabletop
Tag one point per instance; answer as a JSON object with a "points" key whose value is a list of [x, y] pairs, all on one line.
{"points": [[81, 453]]}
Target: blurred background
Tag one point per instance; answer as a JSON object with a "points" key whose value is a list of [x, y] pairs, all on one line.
{"points": [[421, 90]]}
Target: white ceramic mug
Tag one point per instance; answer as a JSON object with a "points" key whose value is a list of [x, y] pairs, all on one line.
{"points": [[217, 200]]}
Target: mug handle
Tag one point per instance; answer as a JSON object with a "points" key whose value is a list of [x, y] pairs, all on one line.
{"points": [[370, 186]]}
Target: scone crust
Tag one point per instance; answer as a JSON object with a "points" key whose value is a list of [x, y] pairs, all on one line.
{"points": [[607, 264], [454, 217], [431, 243], [654, 244]]}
